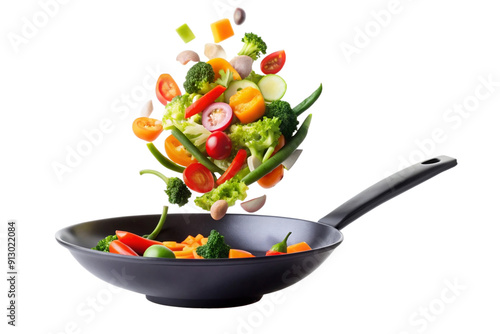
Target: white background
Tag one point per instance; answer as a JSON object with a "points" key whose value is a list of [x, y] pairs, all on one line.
{"points": [[380, 107]]}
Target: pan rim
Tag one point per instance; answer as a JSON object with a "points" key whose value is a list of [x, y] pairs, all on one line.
{"points": [[206, 262]]}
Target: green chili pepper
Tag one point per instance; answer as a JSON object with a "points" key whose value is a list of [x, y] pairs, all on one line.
{"points": [[281, 155], [280, 247], [304, 105]]}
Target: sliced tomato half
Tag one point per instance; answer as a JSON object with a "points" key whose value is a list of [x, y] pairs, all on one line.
{"points": [[177, 152], [166, 88], [272, 178], [198, 178], [273, 63], [147, 128]]}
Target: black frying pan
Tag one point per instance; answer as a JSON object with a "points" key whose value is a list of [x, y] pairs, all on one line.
{"points": [[231, 282]]}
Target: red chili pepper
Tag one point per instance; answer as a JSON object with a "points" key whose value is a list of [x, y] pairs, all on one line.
{"points": [[203, 102], [136, 242], [118, 247], [234, 167], [272, 253]]}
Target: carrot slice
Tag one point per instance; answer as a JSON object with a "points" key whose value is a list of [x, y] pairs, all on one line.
{"points": [[185, 257], [188, 254], [174, 245], [191, 247], [189, 240], [300, 247], [238, 253]]}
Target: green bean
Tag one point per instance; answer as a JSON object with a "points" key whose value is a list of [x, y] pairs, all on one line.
{"points": [[191, 148], [164, 160], [281, 155], [304, 105]]}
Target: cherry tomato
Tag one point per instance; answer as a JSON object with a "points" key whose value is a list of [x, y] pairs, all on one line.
{"points": [[217, 116], [273, 63], [177, 152], [147, 128], [218, 145], [198, 178], [166, 88], [272, 178]]}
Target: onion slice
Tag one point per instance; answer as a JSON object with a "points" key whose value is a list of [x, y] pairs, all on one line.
{"points": [[186, 56], [290, 161], [253, 162], [214, 51], [254, 204], [147, 109]]}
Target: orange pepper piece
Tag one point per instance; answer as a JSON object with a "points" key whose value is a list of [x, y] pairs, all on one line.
{"points": [[222, 64], [248, 105], [221, 30]]}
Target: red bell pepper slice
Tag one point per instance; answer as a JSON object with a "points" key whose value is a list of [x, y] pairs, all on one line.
{"points": [[136, 242], [234, 167], [203, 102], [118, 247]]}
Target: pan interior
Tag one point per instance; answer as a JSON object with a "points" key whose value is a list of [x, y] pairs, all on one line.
{"points": [[253, 233]]}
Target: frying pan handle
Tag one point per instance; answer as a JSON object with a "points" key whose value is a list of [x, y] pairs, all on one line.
{"points": [[386, 189]]}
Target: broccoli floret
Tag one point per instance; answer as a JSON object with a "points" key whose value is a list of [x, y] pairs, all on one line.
{"points": [[215, 248], [177, 192], [230, 191], [283, 111], [103, 245], [253, 46], [191, 127], [260, 137], [199, 78]]}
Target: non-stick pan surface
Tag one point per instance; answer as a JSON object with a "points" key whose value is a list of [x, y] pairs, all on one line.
{"points": [[230, 282]]}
